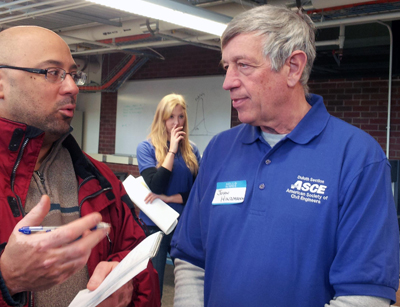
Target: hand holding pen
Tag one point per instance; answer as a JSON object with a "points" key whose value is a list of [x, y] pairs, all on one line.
{"points": [[33, 229], [38, 262]]}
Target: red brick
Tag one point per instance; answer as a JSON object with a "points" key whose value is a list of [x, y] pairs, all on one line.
{"points": [[361, 96], [360, 120], [336, 91], [351, 114], [351, 102], [361, 109], [352, 90], [369, 127], [362, 84], [370, 90], [379, 96], [345, 85]]}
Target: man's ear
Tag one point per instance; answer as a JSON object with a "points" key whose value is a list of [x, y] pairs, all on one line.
{"points": [[297, 61]]}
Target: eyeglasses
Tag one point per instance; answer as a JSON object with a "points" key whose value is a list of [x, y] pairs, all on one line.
{"points": [[54, 74]]}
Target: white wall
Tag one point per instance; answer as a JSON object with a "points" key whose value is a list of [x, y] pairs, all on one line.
{"points": [[89, 104], [77, 124], [208, 109]]}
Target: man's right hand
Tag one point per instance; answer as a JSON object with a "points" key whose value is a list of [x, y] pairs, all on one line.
{"points": [[39, 261]]}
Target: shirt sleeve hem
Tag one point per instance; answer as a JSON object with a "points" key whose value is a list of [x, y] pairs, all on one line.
{"points": [[366, 289]]}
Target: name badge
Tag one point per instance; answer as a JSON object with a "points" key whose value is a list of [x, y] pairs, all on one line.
{"points": [[229, 193]]}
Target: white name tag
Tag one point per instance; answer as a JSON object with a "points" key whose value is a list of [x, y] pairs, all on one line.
{"points": [[229, 193]]}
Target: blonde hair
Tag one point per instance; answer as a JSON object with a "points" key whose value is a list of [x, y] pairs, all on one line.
{"points": [[159, 136]]}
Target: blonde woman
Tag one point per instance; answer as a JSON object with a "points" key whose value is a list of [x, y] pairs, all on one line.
{"points": [[168, 162]]}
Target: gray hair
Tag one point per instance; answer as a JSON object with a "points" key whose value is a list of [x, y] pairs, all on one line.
{"points": [[284, 31]]}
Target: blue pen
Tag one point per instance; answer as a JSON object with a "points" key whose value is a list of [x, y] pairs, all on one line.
{"points": [[32, 229]]}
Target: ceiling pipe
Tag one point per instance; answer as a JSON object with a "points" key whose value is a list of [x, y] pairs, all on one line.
{"points": [[339, 41], [311, 9], [26, 7], [332, 42], [357, 20], [112, 80], [87, 41], [322, 4], [389, 111], [229, 8], [166, 43], [341, 36], [48, 11], [109, 44], [185, 41], [215, 3], [13, 3]]}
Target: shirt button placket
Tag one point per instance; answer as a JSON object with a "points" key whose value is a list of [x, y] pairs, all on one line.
{"points": [[262, 185]]}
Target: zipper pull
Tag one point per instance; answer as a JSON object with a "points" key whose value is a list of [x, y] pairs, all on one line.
{"points": [[40, 177], [110, 242]]}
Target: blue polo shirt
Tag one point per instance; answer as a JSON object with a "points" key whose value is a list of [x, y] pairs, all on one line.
{"points": [[317, 220], [180, 181]]}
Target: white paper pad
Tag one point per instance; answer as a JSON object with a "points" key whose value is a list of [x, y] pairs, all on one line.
{"points": [[158, 211], [134, 263]]}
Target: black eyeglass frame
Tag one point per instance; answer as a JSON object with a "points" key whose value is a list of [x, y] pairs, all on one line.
{"points": [[45, 71]]}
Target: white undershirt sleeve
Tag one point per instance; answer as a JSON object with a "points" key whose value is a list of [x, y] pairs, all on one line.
{"points": [[189, 285], [358, 301], [189, 290]]}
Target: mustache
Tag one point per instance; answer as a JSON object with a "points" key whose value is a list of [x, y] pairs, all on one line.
{"points": [[66, 101]]}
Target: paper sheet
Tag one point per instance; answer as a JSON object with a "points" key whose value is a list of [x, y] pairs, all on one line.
{"points": [[134, 263], [158, 211]]}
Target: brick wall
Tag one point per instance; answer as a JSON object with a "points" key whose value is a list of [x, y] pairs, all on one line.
{"points": [[182, 61], [108, 115], [360, 102], [130, 169], [363, 103]]}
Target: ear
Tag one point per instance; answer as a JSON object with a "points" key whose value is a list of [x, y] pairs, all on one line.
{"points": [[296, 62]]}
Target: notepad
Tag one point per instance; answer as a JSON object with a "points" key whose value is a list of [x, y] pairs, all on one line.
{"points": [[158, 211], [133, 263]]}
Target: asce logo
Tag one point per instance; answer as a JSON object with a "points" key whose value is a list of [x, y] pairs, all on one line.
{"points": [[309, 187]]}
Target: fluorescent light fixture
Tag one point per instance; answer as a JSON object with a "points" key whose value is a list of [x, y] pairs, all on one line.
{"points": [[173, 12]]}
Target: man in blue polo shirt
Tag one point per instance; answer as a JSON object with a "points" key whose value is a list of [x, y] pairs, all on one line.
{"points": [[293, 207]]}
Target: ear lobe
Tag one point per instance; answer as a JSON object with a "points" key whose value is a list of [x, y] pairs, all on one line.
{"points": [[297, 61]]}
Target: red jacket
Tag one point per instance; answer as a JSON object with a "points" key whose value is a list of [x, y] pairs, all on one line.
{"points": [[99, 190]]}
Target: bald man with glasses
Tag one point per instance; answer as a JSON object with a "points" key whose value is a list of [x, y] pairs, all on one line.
{"points": [[47, 180]]}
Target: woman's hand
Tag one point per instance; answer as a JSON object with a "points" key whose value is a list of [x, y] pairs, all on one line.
{"points": [[176, 136], [152, 196], [176, 198]]}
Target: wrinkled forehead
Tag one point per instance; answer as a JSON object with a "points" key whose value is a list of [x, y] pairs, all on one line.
{"points": [[32, 46], [243, 46]]}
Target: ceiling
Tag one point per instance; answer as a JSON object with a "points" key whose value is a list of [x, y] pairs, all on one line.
{"points": [[93, 29]]}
